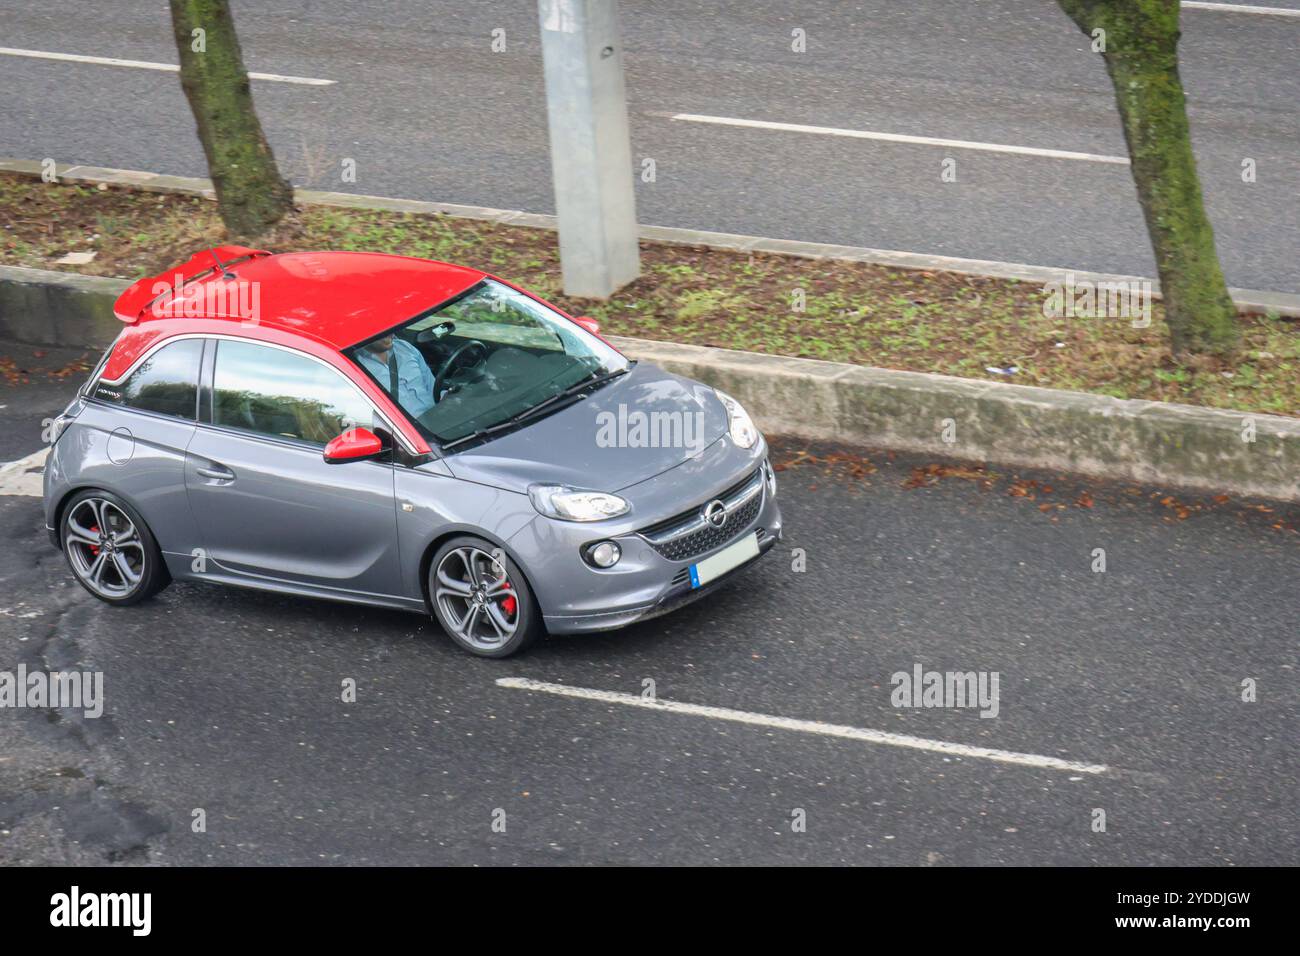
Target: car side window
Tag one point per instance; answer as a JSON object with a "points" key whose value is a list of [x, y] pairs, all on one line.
{"points": [[167, 382], [275, 392]]}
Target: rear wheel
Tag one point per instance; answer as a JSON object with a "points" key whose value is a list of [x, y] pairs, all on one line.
{"points": [[481, 599], [110, 549]]}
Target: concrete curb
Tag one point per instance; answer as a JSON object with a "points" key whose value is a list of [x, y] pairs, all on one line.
{"points": [[58, 308], [1175, 445], [24, 476], [1246, 300], [1161, 443]]}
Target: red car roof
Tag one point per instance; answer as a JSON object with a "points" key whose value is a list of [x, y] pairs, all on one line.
{"points": [[338, 298]]}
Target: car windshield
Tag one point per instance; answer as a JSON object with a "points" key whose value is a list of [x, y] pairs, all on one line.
{"points": [[481, 360]]}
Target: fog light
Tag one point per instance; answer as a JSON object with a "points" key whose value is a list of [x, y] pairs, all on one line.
{"points": [[604, 554]]}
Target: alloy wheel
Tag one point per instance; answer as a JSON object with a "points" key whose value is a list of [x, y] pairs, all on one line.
{"points": [[477, 600], [105, 548]]}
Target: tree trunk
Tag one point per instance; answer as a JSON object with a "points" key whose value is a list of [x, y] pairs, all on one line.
{"points": [[250, 193], [1141, 55]]}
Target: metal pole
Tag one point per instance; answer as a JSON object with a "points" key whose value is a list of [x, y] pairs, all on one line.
{"points": [[591, 156]]}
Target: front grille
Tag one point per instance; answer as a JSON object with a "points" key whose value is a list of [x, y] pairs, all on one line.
{"points": [[699, 542], [687, 536]]}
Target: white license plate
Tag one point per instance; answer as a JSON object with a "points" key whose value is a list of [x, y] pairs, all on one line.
{"points": [[732, 556]]}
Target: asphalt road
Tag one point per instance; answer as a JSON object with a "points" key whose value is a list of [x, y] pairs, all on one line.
{"points": [[230, 701], [428, 111]]}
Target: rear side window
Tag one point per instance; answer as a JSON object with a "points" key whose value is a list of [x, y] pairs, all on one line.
{"points": [[283, 394], [167, 382], [88, 386]]}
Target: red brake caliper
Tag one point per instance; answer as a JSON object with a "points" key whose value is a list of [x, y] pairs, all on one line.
{"points": [[94, 548], [508, 603]]}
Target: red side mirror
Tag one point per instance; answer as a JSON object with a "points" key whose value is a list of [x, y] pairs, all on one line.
{"points": [[354, 444], [588, 323]]}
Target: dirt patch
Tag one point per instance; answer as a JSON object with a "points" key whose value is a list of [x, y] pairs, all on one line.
{"points": [[837, 311]]}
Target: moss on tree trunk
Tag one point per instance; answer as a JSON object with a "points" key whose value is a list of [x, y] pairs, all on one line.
{"points": [[251, 194], [1141, 55]]}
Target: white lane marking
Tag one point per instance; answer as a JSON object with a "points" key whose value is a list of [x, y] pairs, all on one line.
{"points": [[1242, 8], [804, 726], [901, 138], [146, 65], [23, 477]]}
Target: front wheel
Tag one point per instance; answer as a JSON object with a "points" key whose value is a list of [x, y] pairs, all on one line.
{"points": [[110, 549], [481, 599]]}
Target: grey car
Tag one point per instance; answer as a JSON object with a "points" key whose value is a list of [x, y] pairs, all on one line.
{"points": [[401, 433]]}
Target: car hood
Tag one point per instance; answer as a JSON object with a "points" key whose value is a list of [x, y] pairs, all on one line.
{"points": [[638, 426]]}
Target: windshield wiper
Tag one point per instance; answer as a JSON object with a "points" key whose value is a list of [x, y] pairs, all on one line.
{"points": [[592, 381], [514, 421]]}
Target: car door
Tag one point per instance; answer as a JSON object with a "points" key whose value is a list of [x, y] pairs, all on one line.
{"points": [[266, 502]]}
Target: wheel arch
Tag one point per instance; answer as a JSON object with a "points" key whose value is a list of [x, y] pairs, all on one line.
{"points": [[69, 493], [426, 558]]}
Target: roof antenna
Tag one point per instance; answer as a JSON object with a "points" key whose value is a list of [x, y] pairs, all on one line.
{"points": [[225, 273]]}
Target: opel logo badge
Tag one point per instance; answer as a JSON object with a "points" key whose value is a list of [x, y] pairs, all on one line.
{"points": [[715, 513]]}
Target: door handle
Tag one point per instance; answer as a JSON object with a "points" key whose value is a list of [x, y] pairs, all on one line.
{"points": [[218, 473]]}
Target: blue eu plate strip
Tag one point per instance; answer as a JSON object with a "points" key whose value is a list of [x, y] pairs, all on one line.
{"points": [[695, 575]]}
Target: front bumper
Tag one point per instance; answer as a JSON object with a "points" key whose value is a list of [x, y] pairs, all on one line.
{"points": [[646, 582], [675, 597]]}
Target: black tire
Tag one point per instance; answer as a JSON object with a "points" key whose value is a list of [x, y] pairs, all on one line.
{"points": [[480, 573], [144, 559]]}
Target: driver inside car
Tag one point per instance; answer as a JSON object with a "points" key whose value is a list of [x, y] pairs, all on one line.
{"points": [[401, 370]]}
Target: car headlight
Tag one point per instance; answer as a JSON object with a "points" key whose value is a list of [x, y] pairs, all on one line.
{"points": [[739, 424], [573, 504]]}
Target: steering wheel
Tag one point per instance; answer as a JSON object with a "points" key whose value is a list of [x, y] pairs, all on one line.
{"points": [[452, 361]]}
